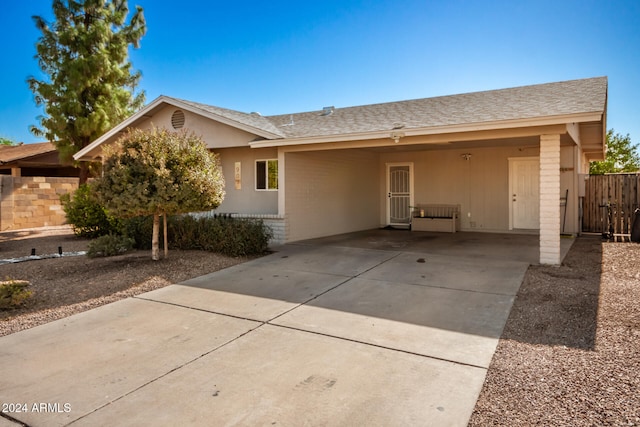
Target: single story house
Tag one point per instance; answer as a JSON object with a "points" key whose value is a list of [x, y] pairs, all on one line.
{"points": [[507, 157]]}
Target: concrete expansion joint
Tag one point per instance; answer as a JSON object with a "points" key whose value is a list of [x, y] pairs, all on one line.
{"points": [[183, 365], [196, 309], [13, 420], [413, 353]]}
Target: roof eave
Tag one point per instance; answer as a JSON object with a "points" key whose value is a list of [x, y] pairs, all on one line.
{"points": [[434, 130], [88, 153], [213, 116]]}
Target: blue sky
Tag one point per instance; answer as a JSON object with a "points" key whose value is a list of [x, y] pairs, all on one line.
{"points": [[279, 57]]}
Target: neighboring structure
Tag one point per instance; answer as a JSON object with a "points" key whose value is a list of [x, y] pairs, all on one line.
{"points": [[32, 179], [506, 157], [40, 159]]}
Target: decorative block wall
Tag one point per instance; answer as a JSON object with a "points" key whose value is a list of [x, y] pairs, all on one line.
{"points": [[29, 202]]}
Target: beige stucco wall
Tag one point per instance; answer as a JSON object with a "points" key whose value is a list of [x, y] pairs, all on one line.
{"points": [[246, 200], [569, 168], [480, 185], [215, 134], [331, 192]]}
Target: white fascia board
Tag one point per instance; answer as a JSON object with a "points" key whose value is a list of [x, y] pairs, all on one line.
{"points": [[434, 130]]}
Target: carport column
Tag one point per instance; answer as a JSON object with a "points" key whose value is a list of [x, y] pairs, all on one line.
{"points": [[550, 199], [281, 192]]}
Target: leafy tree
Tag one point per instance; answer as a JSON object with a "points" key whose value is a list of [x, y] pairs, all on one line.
{"points": [[159, 173], [622, 156], [6, 141], [89, 85]]}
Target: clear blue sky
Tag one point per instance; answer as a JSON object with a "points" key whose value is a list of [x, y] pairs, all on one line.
{"points": [[279, 57]]}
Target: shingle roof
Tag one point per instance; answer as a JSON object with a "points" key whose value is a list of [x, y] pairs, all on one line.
{"points": [[557, 101], [11, 153], [526, 102], [250, 119]]}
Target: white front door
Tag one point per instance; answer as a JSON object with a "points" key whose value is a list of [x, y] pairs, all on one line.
{"points": [[399, 193], [524, 192]]}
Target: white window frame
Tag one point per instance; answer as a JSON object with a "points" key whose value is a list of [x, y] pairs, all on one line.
{"points": [[266, 161]]}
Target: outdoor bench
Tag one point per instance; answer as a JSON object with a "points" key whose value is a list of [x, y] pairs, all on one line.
{"points": [[429, 217]]}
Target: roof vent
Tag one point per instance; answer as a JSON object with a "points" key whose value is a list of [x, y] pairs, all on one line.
{"points": [[327, 111], [291, 123], [177, 119]]}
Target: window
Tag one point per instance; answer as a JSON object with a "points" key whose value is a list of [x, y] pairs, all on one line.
{"points": [[266, 175]]}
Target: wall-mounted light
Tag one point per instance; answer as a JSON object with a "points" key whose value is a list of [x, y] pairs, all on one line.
{"points": [[396, 136], [466, 156]]}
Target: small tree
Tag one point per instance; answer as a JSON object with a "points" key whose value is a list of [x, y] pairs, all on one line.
{"points": [[159, 173], [622, 156], [6, 141], [90, 85]]}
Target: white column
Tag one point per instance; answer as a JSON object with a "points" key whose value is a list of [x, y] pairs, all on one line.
{"points": [[282, 195], [550, 199]]}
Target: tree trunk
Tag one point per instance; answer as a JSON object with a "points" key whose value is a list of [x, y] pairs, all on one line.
{"points": [[166, 240], [84, 172], [155, 250]]}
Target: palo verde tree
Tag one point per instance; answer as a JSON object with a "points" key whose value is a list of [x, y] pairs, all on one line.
{"points": [[622, 156], [89, 85], [159, 173]]}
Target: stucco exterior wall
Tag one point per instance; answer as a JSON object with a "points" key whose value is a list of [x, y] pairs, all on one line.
{"points": [[480, 185], [214, 134], [569, 168], [331, 192], [246, 199], [29, 202]]}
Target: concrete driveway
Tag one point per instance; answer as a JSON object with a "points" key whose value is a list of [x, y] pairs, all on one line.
{"points": [[341, 331]]}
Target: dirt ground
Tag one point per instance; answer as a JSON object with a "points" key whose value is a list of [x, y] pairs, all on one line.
{"points": [[569, 354]]}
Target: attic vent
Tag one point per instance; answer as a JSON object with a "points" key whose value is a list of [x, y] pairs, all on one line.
{"points": [[326, 111], [177, 119]]}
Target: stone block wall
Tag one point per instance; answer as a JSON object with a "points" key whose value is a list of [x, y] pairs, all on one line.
{"points": [[29, 202]]}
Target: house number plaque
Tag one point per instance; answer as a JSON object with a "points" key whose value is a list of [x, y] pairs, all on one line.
{"points": [[237, 171]]}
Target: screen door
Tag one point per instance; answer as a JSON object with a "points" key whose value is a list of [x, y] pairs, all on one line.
{"points": [[399, 193]]}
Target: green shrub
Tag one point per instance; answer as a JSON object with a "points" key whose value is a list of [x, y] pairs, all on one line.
{"points": [[87, 216], [140, 230], [14, 293], [220, 234], [109, 245]]}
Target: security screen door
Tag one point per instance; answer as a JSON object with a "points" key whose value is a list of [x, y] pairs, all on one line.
{"points": [[399, 193]]}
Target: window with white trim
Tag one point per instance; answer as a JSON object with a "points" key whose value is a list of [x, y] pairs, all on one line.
{"points": [[267, 174]]}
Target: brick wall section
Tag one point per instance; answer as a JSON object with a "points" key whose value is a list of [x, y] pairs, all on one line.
{"points": [[550, 199], [28, 202]]}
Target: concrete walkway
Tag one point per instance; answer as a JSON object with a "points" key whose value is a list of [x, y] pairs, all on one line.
{"points": [[321, 333]]}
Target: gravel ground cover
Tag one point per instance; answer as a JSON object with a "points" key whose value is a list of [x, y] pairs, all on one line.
{"points": [[569, 354], [570, 351]]}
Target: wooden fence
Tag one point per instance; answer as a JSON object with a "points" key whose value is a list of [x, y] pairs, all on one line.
{"points": [[617, 196]]}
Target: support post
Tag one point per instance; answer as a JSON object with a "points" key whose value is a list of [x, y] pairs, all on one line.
{"points": [[550, 199]]}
